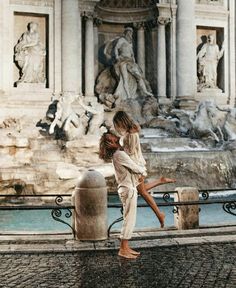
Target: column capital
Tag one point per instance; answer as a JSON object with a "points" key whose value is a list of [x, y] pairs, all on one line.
{"points": [[161, 20], [97, 21], [140, 25], [88, 15]]}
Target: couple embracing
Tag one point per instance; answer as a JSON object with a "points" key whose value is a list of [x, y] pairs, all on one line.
{"points": [[130, 172]]}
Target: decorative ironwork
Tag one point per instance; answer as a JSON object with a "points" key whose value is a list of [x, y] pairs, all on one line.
{"points": [[175, 210], [205, 195], [57, 213], [114, 222], [229, 206], [166, 196]]}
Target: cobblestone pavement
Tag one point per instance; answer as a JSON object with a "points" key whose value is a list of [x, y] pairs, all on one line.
{"points": [[195, 266]]}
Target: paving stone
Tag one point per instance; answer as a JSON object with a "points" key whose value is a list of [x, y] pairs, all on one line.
{"points": [[191, 266]]}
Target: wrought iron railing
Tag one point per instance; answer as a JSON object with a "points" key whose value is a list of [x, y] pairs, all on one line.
{"points": [[228, 205], [59, 209], [56, 210]]}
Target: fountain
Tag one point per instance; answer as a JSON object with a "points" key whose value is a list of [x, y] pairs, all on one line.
{"points": [[45, 146]]}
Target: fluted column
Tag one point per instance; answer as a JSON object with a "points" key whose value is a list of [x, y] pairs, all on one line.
{"points": [[89, 55], [71, 33], [161, 57], [96, 24], [141, 46], [186, 54], [1, 44], [6, 26]]}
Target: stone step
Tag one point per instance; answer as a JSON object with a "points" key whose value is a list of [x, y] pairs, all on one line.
{"points": [[44, 144], [47, 156], [160, 144]]}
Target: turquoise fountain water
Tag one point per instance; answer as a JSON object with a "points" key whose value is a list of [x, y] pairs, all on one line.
{"points": [[41, 221]]}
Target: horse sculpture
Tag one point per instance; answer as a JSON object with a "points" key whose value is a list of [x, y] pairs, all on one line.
{"points": [[205, 122]]}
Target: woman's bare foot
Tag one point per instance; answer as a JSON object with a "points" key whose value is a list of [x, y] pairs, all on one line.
{"points": [[134, 252], [165, 180], [162, 219], [126, 254]]}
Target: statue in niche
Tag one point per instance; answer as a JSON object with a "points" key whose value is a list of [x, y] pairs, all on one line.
{"points": [[30, 55], [66, 124], [122, 81], [208, 58]]}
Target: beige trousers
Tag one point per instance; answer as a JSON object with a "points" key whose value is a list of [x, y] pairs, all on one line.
{"points": [[128, 197]]}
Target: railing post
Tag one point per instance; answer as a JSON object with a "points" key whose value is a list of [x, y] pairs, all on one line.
{"points": [[91, 207], [73, 211], [187, 216]]}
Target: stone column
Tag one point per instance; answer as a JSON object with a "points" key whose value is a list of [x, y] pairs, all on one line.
{"points": [[57, 88], [186, 53], [1, 46], [172, 59], [71, 60], [161, 57], [89, 55], [6, 49], [96, 24], [141, 47], [188, 215]]}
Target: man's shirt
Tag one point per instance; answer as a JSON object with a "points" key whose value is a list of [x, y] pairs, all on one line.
{"points": [[125, 168]]}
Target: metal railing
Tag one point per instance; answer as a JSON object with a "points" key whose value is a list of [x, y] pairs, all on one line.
{"points": [[57, 209], [229, 206]]}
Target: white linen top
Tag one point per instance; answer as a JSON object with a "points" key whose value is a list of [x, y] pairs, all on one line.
{"points": [[126, 170]]}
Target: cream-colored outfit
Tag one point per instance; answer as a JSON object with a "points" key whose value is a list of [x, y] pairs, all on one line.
{"points": [[125, 173], [131, 145]]}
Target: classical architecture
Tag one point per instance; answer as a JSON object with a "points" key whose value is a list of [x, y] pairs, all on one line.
{"points": [[181, 52], [168, 34]]}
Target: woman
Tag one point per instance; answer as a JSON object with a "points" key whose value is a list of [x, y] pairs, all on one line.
{"points": [[126, 127]]}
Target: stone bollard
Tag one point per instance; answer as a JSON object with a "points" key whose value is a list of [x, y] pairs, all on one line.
{"points": [[188, 215], [90, 199]]}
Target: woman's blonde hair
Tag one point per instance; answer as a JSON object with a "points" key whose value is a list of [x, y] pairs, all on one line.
{"points": [[121, 120]]}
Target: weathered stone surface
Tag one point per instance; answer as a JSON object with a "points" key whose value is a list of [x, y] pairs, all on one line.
{"points": [[187, 216], [202, 265], [202, 169]]}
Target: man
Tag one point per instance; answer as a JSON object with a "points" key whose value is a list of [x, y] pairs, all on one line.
{"points": [[125, 61], [125, 173], [124, 170]]}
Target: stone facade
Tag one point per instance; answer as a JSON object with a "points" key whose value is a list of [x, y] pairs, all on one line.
{"points": [[167, 34], [161, 28]]}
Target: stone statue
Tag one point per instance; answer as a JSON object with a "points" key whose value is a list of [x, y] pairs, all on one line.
{"points": [[124, 78], [96, 117], [208, 122], [70, 124], [208, 58], [30, 55], [205, 122]]}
